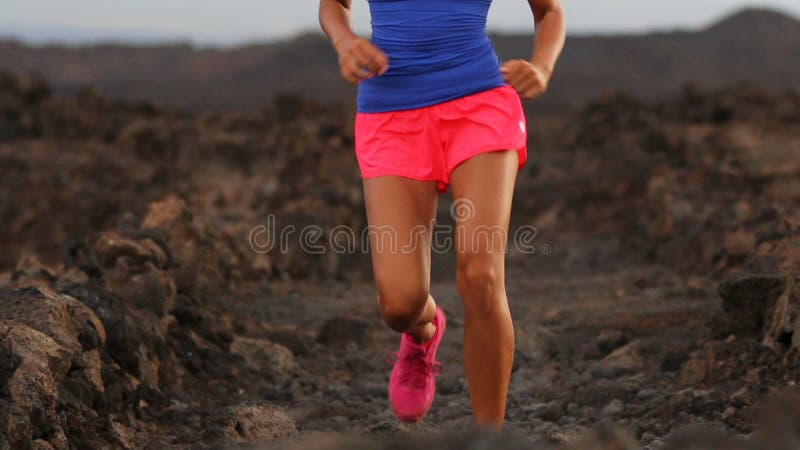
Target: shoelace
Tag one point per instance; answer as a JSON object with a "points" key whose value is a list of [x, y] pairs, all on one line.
{"points": [[416, 368]]}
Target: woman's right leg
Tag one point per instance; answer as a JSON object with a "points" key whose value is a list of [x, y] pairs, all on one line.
{"points": [[401, 214]]}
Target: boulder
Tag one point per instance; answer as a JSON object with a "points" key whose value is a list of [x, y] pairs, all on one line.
{"points": [[31, 367], [45, 311], [130, 271], [201, 258]]}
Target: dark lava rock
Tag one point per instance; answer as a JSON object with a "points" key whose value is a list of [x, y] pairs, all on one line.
{"points": [[609, 340], [200, 254], [703, 437], [44, 311], [749, 301], [249, 424], [600, 392], [624, 360], [95, 361], [673, 361], [339, 331], [394, 439], [264, 356], [131, 271], [605, 437], [33, 366], [132, 344]]}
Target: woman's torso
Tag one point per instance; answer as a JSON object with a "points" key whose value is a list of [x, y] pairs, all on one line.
{"points": [[438, 51]]}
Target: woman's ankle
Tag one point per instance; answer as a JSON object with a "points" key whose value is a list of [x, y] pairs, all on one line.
{"points": [[422, 333]]}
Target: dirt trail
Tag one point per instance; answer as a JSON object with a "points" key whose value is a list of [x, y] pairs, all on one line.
{"points": [[561, 303]]}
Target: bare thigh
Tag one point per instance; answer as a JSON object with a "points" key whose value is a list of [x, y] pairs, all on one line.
{"points": [[483, 188], [400, 213]]}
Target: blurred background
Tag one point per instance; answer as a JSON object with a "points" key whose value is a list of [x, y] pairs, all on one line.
{"points": [[142, 143], [241, 53], [237, 22]]}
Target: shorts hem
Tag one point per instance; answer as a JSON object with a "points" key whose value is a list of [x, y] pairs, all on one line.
{"points": [[400, 175], [522, 154], [443, 185]]}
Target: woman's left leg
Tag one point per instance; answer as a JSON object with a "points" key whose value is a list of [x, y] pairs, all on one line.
{"points": [[483, 188]]}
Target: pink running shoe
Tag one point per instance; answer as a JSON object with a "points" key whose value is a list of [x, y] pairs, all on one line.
{"points": [[412, 384]]}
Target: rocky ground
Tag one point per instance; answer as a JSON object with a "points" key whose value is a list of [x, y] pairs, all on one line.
{"points": [[658, 310]]}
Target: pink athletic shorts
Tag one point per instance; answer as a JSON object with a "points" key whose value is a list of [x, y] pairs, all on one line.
{"points": [[428, 143]]}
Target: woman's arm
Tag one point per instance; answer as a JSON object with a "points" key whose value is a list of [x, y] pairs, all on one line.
{"points": [[359, 59], [530, 78]]}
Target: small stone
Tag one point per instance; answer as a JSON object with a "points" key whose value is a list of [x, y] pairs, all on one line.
{"points": [[624, 360], [604, 436], [729, 413], [567, 435], [742, 397], [696, 369], [646, 393], [753, 375], [739, 243], [252, 424], [550, 411], [597, 394], [673, 361], [614, 407], [264, 355], [610, 339]]}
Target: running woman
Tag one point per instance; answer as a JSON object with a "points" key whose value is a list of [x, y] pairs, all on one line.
{"points": [[436, 108]]}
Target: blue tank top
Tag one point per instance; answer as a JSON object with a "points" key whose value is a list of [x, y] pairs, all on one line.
{"points": [[438, 50]]}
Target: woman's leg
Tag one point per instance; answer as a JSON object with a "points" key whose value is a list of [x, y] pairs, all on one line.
{"points": [[483, 187], [400, 213]]}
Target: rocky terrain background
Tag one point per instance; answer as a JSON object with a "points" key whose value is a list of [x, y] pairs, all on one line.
{"points": [[136, 313], [756, 45]]}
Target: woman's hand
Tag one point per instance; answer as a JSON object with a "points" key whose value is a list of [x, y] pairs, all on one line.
{"points": [[360, 59], [529, 79]]}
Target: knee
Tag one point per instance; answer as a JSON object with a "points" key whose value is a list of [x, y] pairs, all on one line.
{"points": [[479, 282], [401, 306]]}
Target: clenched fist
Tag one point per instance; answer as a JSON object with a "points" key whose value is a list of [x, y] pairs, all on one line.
{"points": [[527, 78], [360, 59]]}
